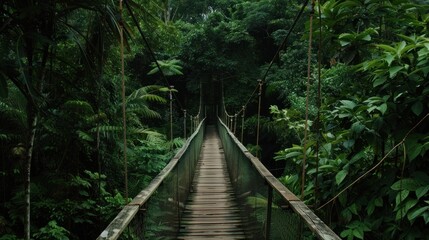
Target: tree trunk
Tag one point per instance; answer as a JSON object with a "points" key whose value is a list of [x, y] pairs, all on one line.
{"points": [[33, 121]]}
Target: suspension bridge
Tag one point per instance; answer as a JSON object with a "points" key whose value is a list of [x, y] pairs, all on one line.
{"points": [[214, 188]]}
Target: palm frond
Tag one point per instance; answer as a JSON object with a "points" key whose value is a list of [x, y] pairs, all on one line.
{"points": [[170, 67], [142, 111]]}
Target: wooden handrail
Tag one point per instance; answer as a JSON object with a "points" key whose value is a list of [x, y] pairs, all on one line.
{"points": [[314, 223], [114, 230]]}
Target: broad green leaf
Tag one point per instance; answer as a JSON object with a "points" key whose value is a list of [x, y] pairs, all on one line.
{"points": [[393, 71], [400, 48], [370, 209], [367, 37], [348, 104], [357, 127], [379, 81], [382, 108], [346, 233], [410, 204], [414, 151], [421, 191], [417, 108], [292, 154], [387, 48], [358, 156], [344, 115], [353, 209], [426, 217], [349, 143], [357, 232], [327, 148], [416, 213], [345, 39], [344, 43], [389, 58], [405, 184], [400, 214], [340, 176], [401, 196]]}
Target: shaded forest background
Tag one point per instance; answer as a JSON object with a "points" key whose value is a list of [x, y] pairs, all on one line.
{"points": [[60, 105]]}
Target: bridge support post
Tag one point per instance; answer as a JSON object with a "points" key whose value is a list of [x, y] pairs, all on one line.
{"points": [[269, 209], [235, 123], [242, 123], [184, 123]]}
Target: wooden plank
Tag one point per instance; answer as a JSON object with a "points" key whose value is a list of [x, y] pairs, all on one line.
{"points": [[211, 210]]}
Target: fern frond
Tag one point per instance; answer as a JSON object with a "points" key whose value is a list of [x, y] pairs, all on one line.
{"points": [[154, 98], [170, 67], [84, 136], [106, 129], [143, 111]]}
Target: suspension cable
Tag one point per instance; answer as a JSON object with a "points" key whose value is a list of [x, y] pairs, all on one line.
{"points": [[281, 47], [319, 104], [259, 115], [307, 102], [378, 163], [152, 54], [124, 117]]}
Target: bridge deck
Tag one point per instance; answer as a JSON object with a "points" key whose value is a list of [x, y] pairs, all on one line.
{"points": [[211, 210]]}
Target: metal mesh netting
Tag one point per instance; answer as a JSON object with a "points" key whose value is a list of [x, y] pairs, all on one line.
{"points": [[155, 213], [252, 190]]}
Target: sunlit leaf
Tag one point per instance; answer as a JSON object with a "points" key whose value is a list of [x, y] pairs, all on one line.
{"points": [[340, 176], [348, 104], [418, 212], [379, 81], [421, 191], [393, 71]]}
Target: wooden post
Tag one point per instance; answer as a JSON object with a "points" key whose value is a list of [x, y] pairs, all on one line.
{"points": [[269, 209], [259, 116], [184, 123], [235, 122], [242, 123], [171, 113]]}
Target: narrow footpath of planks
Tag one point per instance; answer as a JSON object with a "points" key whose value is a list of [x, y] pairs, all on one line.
{"points": [[211, 210]]}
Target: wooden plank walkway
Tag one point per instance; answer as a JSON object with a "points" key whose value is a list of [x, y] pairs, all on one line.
{"points": [[211, 211]]}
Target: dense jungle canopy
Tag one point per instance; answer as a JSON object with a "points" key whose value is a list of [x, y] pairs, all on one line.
{"points": [[365, 103]]}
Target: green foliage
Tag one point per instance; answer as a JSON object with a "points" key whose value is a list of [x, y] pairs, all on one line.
{"points": [[52, 231], [170, 67], [369, 102], [374, 60], [9, 237]]}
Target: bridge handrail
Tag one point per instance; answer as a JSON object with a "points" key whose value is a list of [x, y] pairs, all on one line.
{"points": [[126, 215], [315, 224]]}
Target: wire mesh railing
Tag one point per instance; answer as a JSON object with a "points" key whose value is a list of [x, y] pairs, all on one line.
{"points": [[269, 209], [156, 211]]}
